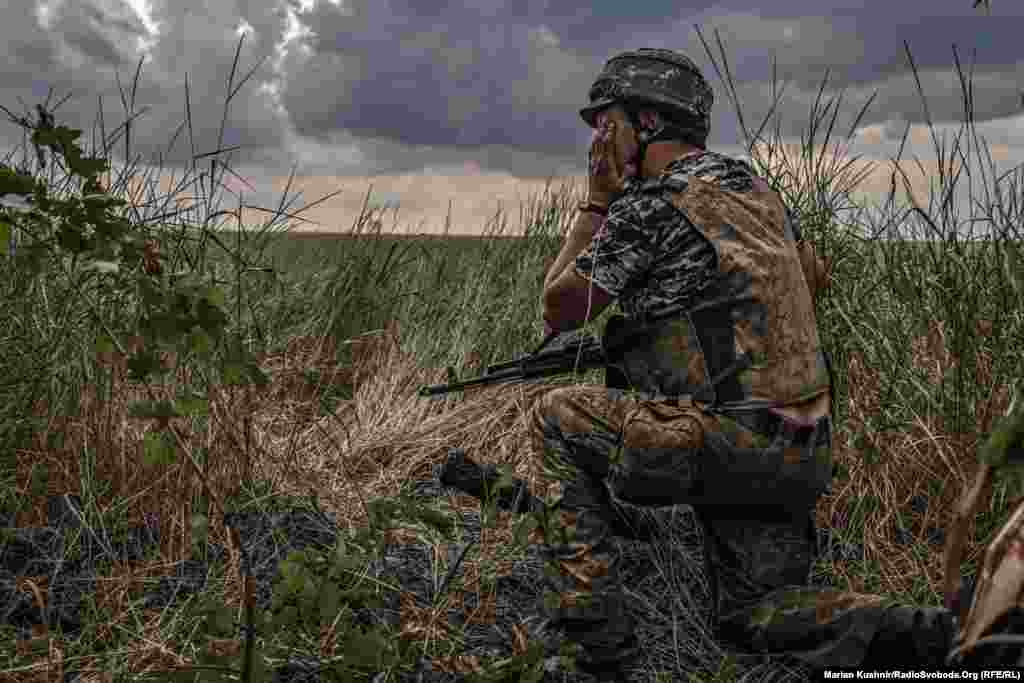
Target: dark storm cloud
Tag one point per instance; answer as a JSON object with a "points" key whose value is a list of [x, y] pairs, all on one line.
{"points": [[491, 74], [453, 75], [81, 48], [378, 87], [861, 45], [103, 32], [460, 81]]}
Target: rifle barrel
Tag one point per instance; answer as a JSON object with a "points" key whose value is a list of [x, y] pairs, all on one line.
{"points": [[436, 389], [550, 362], [516, 374]]}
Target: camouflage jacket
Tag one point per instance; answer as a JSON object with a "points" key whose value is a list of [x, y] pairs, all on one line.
{"points": [[704, 265]]}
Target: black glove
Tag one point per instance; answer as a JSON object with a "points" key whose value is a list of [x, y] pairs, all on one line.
{"points": [[460, 472]]}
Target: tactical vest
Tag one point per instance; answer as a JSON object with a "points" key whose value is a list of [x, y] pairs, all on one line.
{"points": [[751, 338]]}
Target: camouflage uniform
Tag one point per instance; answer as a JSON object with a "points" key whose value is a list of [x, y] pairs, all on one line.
{"points": [[720, 327]]}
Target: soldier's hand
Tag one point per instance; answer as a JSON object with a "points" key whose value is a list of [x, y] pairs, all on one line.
{"points": [[608, 171]]}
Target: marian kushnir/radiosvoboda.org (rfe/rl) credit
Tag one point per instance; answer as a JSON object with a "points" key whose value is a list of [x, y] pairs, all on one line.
{"points": [[909, 674]]}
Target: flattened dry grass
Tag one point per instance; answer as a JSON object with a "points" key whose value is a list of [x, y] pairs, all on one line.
{"points": [[387, 436]]}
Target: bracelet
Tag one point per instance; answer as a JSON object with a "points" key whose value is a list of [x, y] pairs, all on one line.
{"points": [[592, 208]]}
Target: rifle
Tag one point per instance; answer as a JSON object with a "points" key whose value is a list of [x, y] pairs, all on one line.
{"points": [[572, 351]]}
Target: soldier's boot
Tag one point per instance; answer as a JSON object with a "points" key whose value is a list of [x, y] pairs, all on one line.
{"points": [[630, 522], [465, 474], [912, 636], [584, 597], [605, 648], [602, 661], [608, 650]]}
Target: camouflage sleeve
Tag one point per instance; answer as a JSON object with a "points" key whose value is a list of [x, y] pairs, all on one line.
{"points": [[620, 256]]}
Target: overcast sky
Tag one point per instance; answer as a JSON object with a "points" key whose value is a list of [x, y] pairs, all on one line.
{"points": [[476, 102]]}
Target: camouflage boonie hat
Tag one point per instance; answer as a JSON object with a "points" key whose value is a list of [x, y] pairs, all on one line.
{"points": [[666, 79]]}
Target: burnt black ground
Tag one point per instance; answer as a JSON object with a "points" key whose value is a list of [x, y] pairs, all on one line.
{"points": [[269, 537]]}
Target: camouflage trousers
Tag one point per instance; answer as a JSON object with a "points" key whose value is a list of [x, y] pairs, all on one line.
{"points": [[654, 453]]}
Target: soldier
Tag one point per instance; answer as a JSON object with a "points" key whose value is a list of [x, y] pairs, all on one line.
{"points": [[720, 397]]}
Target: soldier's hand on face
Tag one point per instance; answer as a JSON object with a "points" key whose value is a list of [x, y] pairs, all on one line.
{"points": [[608, 171]]}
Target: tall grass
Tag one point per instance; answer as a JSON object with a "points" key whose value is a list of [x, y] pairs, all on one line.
{"points": [[924, 337]]}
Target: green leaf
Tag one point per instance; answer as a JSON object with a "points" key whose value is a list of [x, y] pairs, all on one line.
{"points": [[330, 603], [341, 549], [310, 592], [344, 560], [151, 295], [213, 676], [287, 568], [180, 676], [232, 373], [104, 266], [489, 514], [255, 375], [437, 520], [506, 480], [70, 238], [348, 563], [382, 510], [200, 342], [200, 525], [96, 206], [142, 364], [259, 666], [161, 409], [163, 326], [210, 318], [523, 528], [40, 479], [196, 406], [222, 621], [215, 295], [364, 650], [61, 139], [89, 167], [1005, 445], [157, 449], [5, 237], [15, 182], [295, 583], [236, 371]]}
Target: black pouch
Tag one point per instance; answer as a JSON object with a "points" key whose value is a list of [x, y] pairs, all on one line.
{"points": [[614, 375]]}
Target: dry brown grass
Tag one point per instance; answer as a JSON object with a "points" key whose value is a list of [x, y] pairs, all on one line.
{"points": [[908, 462], [384, 436], [387, 435]]}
